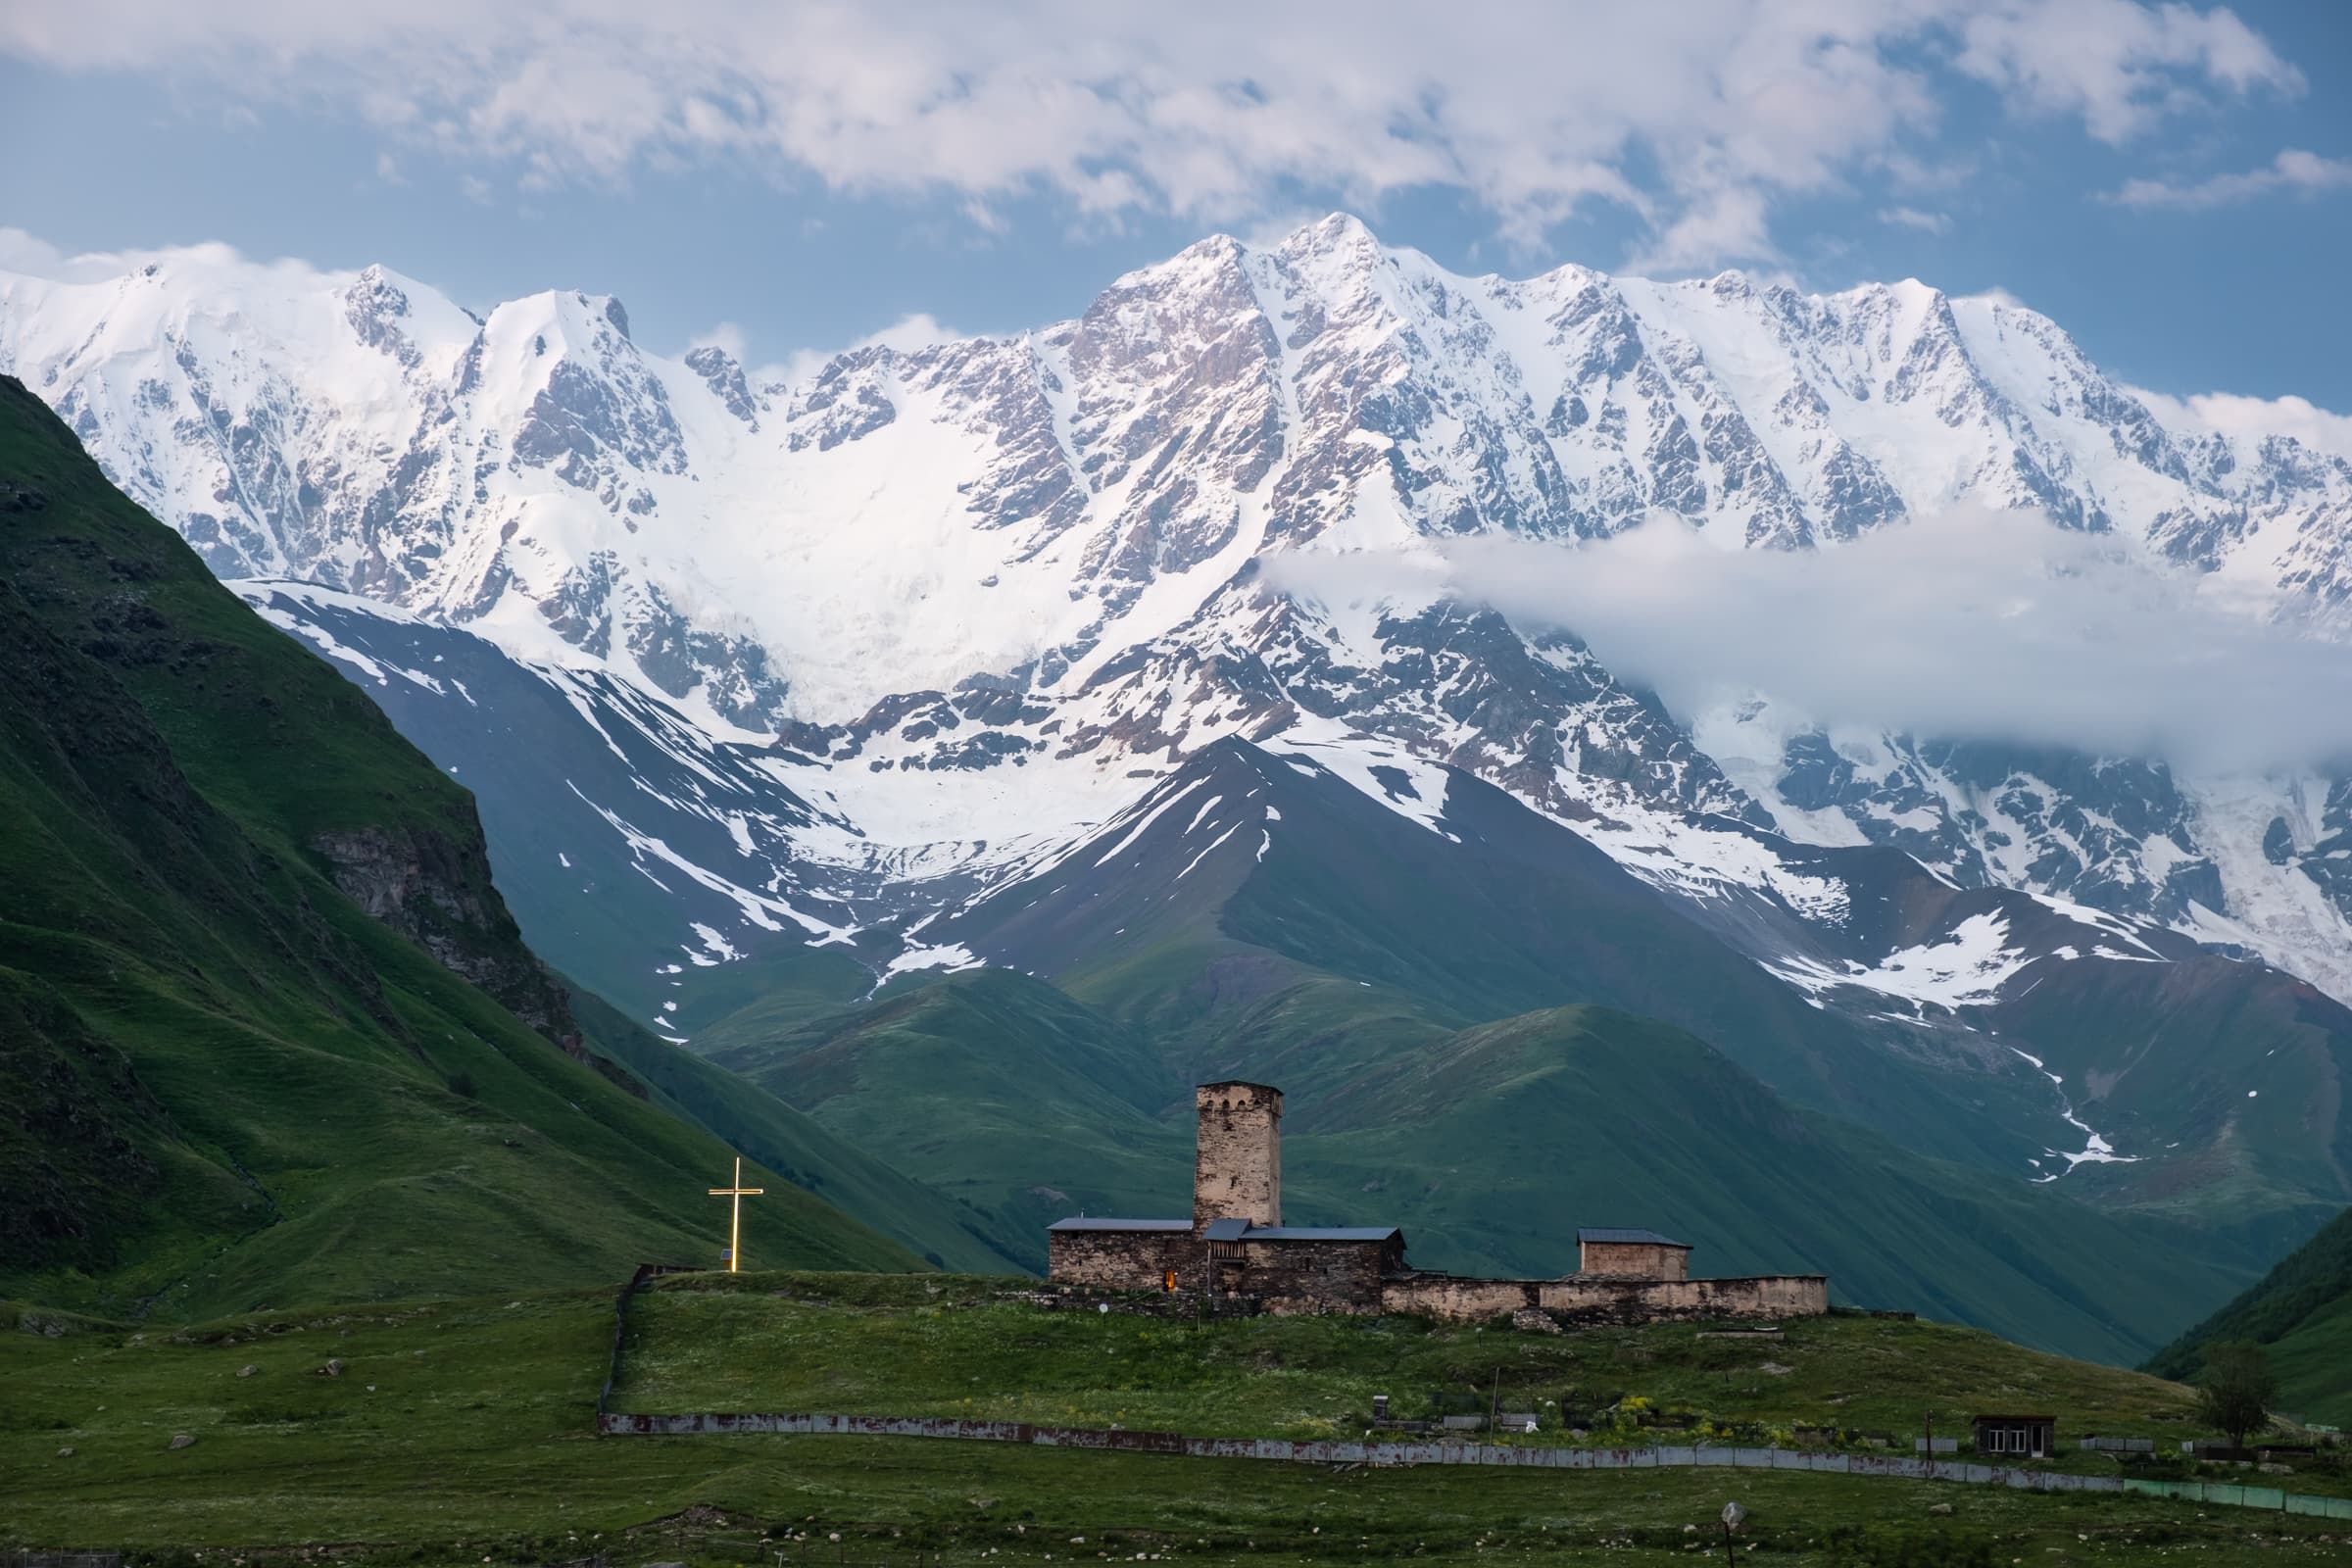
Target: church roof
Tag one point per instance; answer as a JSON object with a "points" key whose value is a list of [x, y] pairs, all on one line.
{"points": [[1233, 1230], [1319, 1233], [1606, 1235]]}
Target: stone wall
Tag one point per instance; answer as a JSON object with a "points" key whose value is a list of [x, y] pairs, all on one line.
{"points": [[1442, 1295], [1125, 1260], [1237, 1166], [1644, 1261], [1579, 1298], [1770, 1297], [1315, 1276]]}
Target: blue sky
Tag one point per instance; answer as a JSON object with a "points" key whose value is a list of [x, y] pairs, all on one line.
{"points": [[2172, 182]]}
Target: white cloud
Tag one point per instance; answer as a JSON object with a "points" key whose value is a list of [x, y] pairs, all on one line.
{"points": [[1973, 624], [2303, 172], [2233, 415], [919, 331], [2119, 65], [29, 254], [1913, 217], [1700, 115]]}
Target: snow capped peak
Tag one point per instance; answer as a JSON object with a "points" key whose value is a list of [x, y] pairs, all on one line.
{"points": [[1041, 557]]}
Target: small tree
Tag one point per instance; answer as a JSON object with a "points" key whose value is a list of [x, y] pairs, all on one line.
{"points": [[2236, 1388]]}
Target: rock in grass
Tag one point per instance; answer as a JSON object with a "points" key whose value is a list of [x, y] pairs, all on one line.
{"points": [[1940, 1507], [65, 1453], [247, 1370], [332, 1369], [180, 1440]]}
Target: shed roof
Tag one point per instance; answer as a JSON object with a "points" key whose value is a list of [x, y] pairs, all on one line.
{"points": [[1622, 1236], [1226, 1230], [2048, 1418], [1090, 1222]]}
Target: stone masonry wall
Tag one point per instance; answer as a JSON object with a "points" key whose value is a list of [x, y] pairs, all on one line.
{"points": [[1125, 1260], [1317, 1276], [1442, 1296], [1237, 1170], [1584, 1300], [1770, 1296], [1640, 1260]]}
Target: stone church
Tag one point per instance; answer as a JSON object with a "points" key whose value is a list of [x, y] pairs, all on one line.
{"points": [[1235, 1248]]}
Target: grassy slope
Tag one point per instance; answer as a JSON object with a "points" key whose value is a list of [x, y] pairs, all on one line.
{"points": [[958, 1077], [227, 1083], [2302, 1309], [1525, 1128], [928, 1345], [459, 1431], [946, 1232]]}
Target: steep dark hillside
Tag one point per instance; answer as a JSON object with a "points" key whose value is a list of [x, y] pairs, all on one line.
{"points": [[270, 1033], [2302, 1309]]}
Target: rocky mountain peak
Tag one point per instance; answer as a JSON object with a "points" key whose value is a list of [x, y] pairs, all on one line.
{"points": [[1039, 557]]}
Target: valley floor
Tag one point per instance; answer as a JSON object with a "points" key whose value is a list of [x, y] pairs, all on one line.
{"points": [[462, 1431]]}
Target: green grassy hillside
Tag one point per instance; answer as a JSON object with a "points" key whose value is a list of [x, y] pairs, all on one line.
{"points": [[2302, 1309], [460, 1430], [223, 1081], [947, 1231], [928, 1345], [997, 1088]]}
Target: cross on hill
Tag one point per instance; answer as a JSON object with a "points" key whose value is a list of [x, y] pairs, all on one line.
{"points": [[737, 1192]]}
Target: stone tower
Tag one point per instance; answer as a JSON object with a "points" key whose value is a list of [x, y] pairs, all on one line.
{"points": [[1236, 1171]]}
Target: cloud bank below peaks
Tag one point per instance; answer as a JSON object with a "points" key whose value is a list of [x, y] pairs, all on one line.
{"points": [[1973, 625]]}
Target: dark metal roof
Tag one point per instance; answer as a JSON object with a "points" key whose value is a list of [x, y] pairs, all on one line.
{"points": [[1235, 1230], [1320, 1233], [2046, 1418], [1608, 1234]]}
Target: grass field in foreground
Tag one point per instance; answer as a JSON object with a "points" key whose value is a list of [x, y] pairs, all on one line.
{"points": [[460, 1431], [939, 1345]]}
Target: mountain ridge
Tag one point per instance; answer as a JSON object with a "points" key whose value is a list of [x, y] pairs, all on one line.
{"points": [[938, 566]]}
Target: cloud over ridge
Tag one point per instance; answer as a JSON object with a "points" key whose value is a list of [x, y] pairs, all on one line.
{"points": [[1973, 625]]}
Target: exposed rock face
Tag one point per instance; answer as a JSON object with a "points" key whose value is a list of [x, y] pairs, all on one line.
{"points": [[432, 892]]}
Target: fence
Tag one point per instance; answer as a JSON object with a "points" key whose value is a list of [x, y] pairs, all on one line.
{"points": [[1471, 1454], [2119, 1445]]}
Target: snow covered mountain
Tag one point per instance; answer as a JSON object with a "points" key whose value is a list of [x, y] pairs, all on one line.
{"points": [[914, 625]]}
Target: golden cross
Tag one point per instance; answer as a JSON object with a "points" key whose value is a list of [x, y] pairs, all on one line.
{"points": [[738, 1193]]}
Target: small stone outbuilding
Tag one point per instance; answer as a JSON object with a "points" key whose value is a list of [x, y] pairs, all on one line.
{"points": [[1617, 1251]]}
